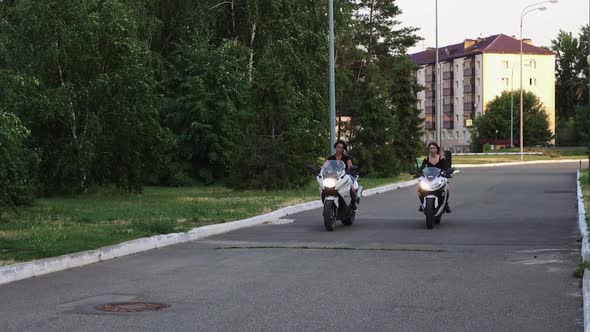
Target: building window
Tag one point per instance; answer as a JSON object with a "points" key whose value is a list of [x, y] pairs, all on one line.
{"points": [[457, 133], [478, 64], [457, 120], [457, 84], [456, 100], [450, 134], [456, 67], [505, 64], [444, 134], [477, 82], [533, 81], [533, 63], [464, 132]]}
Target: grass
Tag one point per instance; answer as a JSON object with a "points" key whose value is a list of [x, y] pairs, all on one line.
{"points": [[61, 225]]}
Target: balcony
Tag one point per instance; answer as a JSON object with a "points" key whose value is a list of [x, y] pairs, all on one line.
{"points": [[448, 75], [468, 107], [468, 72], [448, 92], [429, 125], [429, 93], [468, 88], [448, 124], [448, 108]]}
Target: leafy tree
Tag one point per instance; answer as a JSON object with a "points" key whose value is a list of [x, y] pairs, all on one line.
{"points": [[17, 163], [207, 103], [288, 128], [381, 98], [81, 80], [582, 126], [568, 81], [495, 121]]}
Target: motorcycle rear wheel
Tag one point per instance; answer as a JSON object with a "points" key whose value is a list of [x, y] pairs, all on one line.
{"points": [[329, 215]]}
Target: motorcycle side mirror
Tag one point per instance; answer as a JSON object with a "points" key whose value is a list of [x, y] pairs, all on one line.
{"points": [[450, 170]]}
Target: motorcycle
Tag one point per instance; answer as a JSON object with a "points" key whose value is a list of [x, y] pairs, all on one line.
{"points": [[432, 188], [335, 183]]}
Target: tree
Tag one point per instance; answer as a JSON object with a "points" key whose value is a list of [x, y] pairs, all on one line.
{"points": [[494, 123], [568, 81], [81, 81], [17, 163], [381, 97], [287, 128], [206, 108]]}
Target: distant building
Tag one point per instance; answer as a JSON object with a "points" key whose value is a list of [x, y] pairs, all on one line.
{"points": [[475, 72]]}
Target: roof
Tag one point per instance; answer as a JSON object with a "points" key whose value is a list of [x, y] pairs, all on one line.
{"points": [[493, 44]]}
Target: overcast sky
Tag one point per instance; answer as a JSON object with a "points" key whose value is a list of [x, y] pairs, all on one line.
{"points": [[461, 19]]}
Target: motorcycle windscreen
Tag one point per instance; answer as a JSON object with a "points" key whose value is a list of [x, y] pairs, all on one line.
{"points": [[333, 168], [431, 172]]}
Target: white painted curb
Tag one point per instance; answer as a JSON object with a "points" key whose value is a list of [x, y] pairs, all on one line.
{"points": [[585, 252]]}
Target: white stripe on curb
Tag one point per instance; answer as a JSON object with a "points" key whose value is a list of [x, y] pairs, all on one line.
{"points": [[40, 267], [585, 252]]}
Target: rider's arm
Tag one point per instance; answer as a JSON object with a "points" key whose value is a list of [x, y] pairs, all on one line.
{"points": [[349, 163]]}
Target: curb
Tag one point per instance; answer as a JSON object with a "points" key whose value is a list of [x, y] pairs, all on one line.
{"points": [[585, 252], [40, 267]]}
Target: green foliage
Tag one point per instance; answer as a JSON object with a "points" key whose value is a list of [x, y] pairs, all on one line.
{"points": [[287, 127], [17, 164], [495, 122], [81, 80], [378, 90], [206, 107], [582, 126]]}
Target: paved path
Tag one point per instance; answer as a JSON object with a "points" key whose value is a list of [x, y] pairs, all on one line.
{"points": [[503, 260]]}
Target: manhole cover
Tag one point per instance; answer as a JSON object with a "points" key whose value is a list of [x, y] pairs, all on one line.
{"points": [[132, 307]]}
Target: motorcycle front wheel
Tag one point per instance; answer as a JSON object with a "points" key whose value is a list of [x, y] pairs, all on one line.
{"points": [[350, 220], [329, 215], [429, 212]]}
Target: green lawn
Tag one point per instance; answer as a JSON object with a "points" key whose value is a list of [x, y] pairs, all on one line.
{"points": [[60, 225]]}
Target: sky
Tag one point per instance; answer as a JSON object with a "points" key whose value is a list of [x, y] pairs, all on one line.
{"points": [[469, 19]]}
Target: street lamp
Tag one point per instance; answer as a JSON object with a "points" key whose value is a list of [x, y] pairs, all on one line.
{"points": [[438, 94], [522, 15], [331, 89]]}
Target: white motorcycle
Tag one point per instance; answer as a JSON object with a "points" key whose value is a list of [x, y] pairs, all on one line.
{"points": [[432, 189], [335, 184]]}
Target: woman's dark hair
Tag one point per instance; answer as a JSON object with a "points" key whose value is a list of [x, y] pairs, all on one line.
{"points": [[436, 145], [343, 144]]}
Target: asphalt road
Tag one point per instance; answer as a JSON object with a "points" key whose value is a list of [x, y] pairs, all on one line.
{"points": [[502, 261]]}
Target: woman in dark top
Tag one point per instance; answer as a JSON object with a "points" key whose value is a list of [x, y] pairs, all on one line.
{"points": [[434, 159], [340, 154]]}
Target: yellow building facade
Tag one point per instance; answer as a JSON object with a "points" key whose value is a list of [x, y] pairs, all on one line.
{"points": [[472, 74]]}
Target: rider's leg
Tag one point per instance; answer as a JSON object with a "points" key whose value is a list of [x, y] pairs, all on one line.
{"points": [[447, 207]]}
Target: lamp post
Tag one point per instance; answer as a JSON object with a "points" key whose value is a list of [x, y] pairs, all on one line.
{"points": [[332, 89], [525, 11], [437, 112]]}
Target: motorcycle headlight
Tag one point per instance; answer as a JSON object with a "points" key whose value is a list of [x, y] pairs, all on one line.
{"points": [[329, 183], [424, 186]]}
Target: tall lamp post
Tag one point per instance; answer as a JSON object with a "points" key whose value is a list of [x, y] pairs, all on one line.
{"points": [[525, 11], [332, 89], [437, 111]]}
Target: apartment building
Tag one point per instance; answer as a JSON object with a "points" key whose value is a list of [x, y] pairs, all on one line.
{"points": [[475, 72]]}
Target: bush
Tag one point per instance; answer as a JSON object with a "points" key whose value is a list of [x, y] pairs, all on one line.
{"points": [[17, 164]]}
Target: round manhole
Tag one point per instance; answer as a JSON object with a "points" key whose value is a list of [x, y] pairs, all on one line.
{"points": [[132, 307]]}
